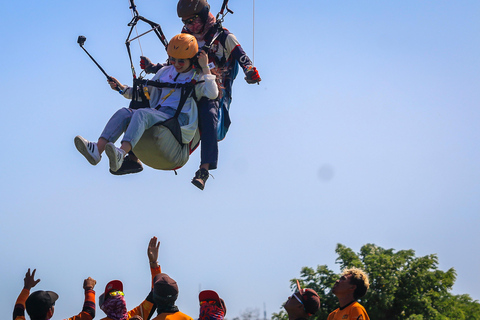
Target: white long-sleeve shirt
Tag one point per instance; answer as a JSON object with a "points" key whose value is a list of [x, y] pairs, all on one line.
{"points": [[170, 97], [167, 74]]}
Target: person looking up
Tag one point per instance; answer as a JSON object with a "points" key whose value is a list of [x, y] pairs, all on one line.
{"points": [[165, 293], [40, 305], [113, 302], [302, 304], [352, 285]]}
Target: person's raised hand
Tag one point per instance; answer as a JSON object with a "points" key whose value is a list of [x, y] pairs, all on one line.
{"points": [[152, 250], [203, 60], [29, 281], [89, 283]]}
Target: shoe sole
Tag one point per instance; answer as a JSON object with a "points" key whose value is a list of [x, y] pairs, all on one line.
{"points": [[198, 184], [112, 156], [82, 148], [122, 172]]}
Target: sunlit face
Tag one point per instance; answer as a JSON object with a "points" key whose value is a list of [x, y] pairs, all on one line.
{"points": [[343, 285], [194, 24], [181, 65]]}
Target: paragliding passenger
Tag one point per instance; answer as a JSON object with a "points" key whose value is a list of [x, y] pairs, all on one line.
{"points": [[182, 51], [226, 53], [112, 301]]}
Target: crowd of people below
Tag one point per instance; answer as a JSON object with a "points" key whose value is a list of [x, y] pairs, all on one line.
{"points": [[302, 304]]}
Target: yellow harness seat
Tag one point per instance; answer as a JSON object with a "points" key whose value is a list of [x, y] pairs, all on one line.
{"points": [[158, 148]]}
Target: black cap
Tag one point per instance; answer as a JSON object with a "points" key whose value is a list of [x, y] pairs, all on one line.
{"points": [[165, 288], [39, 302]]}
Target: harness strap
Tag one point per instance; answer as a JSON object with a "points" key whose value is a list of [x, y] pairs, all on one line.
{"points": [[224, 6], [172, 124], [165, 84], [213, 34]]}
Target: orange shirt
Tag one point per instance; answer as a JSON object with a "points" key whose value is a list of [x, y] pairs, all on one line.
{"points": [[87, 314], [172, 316], [353, 311]]}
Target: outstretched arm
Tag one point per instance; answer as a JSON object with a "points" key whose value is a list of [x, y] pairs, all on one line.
{"points": [[237, 52], [147, 306], [88, 310], [115, 84], [28, 283]]}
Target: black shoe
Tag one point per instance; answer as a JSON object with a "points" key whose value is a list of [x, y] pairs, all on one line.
{"points": [[128, 166], [200, 178]]}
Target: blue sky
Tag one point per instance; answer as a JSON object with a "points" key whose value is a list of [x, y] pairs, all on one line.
{"points": [[364, 129]]}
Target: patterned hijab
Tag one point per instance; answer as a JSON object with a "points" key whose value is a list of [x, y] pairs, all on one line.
{"points": [[211, 312], [115, 307]]}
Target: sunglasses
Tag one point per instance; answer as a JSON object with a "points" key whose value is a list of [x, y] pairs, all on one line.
{"points": [[179, 61], [296, 297], [208, 301], [190, 20], [116, 293]]}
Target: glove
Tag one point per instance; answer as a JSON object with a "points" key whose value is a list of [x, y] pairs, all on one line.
{"points": [[148, 66], [252, 76]]}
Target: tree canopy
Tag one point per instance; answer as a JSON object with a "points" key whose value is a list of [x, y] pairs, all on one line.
{"points": [[402, 286]]}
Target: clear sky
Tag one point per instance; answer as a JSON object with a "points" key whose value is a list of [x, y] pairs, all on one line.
{"points": [[364, 129]]}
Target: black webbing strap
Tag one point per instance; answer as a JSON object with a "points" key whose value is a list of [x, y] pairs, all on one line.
{"points": [[224, 6], [172, 124], [157, 84], [139, 100]]}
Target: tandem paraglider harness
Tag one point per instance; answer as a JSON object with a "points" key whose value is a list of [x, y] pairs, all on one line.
{"points": [[140, 95], [140, 99]]}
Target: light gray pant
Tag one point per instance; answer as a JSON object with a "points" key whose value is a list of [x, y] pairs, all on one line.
{"points": [[134, 122]]}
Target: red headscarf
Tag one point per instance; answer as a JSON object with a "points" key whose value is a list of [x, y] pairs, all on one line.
{"points": [[211, 312]]}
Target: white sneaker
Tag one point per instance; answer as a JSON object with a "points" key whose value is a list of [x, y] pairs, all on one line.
{"points": [[115, 155], [88, 149]]}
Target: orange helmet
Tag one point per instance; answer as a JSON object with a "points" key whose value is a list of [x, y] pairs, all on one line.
{"points": [[182, 46]]}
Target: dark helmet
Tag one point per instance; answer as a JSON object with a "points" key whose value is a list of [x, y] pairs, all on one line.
{"points": [[187, 8]]}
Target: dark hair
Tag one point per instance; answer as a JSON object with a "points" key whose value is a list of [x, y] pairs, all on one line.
{"points": [[217, 73], [359, 279]]}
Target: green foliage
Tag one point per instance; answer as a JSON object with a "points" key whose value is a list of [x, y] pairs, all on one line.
{"points": [[282, 315], [402, 286]]}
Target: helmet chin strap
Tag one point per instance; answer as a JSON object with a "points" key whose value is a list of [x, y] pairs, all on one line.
{"points": [[192, 61]]}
